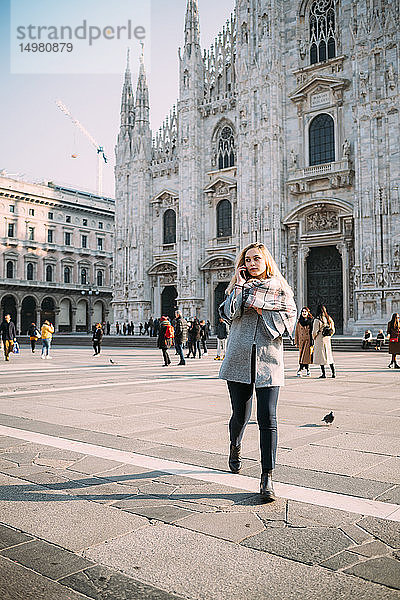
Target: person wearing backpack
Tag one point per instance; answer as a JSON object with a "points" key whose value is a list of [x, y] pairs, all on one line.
{"points": [[34, 335], [165, 339], [323, 330]]}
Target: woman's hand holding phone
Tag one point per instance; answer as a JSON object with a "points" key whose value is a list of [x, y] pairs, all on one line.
{"points": [[241, 273]]}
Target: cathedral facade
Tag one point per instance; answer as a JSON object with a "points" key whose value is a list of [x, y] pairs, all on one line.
{"points": [[286, 131]]}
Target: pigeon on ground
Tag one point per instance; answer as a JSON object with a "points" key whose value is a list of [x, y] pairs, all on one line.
{"points": [[328, 418], [113, 362]]}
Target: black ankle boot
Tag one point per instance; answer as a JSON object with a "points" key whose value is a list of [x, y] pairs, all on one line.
{"points": [[266, 487], [333, 370], [235, 464], [323, 376]]}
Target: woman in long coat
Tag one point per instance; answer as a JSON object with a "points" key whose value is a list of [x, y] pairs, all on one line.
{"points": [[260, 308], [323, 330], [304, 340], [393, 331]]}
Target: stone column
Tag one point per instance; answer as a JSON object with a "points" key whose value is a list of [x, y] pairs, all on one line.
{"points": [[73, 320], [301, 272], [18, 323], [56, 319], [38, 314], [157, 299], [345, 277]]}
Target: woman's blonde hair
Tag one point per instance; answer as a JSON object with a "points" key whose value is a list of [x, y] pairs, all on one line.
{"points": [[272, 269]]}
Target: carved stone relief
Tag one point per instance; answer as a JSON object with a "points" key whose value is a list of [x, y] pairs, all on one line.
{"points": [[322, 220]]}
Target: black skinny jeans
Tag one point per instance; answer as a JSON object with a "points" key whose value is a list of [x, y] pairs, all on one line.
{"points": [[267, 399]]}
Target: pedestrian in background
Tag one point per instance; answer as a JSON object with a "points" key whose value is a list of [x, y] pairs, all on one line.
{"points": [[380, 340], [222, 331], [323, 330], [393, 331], [156, 327], [47, 335], [367, 340], [108, 327], [196, 334], [165, 339], [8, 336], [97, 339], [204, 335], [117, 328], [34, 335], [181, 333], [150, 325], [260, 307], [304, 340], [190, 343]]}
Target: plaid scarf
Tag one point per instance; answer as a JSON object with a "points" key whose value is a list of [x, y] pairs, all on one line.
{"points": [[268, 294]]}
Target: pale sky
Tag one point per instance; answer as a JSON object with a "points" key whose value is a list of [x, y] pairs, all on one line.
{"points": [[37, 140]]}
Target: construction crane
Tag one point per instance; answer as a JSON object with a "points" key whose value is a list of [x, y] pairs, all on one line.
{"points": [[100, 150]]}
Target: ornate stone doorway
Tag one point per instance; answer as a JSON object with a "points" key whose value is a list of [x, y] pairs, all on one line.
{"points": [[325, 282], [168, 301]]}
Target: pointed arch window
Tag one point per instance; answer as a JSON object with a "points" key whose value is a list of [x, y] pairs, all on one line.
{"points": [[226, 148], [100, 278], [29, 271], [67, 274], [169, 235], [322, 140], [323, 39], [224, 219]]}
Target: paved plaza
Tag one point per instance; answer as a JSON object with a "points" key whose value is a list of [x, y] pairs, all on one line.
{"points": [[114, 484]]}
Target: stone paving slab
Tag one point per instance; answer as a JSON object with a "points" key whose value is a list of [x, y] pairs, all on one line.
{"points": [[10, 537], [101, 583], [306, 545], [168, 557], [331, 460], [386, 531], [383, 570], [378, 444], [388, 470], [231, 526], [300, 514], [46, 559], [20, 583], [66, 521]]}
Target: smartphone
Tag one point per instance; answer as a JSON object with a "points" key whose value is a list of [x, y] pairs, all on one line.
{"points": [[245, 272]]}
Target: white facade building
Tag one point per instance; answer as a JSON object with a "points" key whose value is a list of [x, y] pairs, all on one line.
{"points": [[56, 248], [286, 131]]}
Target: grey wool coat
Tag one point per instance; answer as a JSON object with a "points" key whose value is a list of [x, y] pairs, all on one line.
{"points": [[248, 328]]}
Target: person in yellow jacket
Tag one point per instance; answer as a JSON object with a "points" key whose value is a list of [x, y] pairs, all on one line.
{"points": [[47, 335]]}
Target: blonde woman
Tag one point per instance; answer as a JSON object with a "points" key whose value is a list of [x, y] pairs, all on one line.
{"points": [[259, 308], [323, 330]]}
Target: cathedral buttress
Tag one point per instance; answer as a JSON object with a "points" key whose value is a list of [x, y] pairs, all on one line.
{"points": [[190, 238]]}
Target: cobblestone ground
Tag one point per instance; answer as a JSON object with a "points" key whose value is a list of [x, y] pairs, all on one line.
{"points": [[94, 505]]}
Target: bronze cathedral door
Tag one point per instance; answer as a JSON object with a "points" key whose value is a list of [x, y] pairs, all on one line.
{"points": [[325, 282]]}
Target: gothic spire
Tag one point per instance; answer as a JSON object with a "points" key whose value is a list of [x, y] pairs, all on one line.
{"points": [[142, 107], [127, 101], [192, 29]]}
